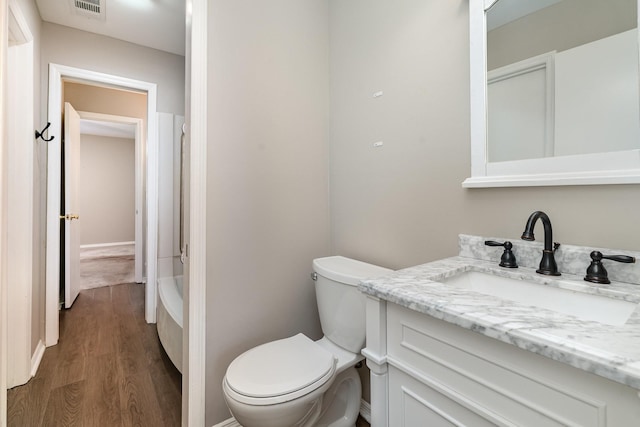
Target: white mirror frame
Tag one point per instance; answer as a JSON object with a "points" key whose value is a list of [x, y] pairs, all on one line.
{"points": [[621, 167]]}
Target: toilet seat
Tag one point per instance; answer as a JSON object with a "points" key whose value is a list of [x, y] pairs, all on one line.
{"points": [[279, 371]]}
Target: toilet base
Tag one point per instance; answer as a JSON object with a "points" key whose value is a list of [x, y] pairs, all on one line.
{"points": [[341, 402]]}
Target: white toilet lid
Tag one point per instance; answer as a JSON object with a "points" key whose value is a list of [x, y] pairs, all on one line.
{"points": [[281, 368]]}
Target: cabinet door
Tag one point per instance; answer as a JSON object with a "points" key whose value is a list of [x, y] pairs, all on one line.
{"points": [[413, 404], [460, 374]]}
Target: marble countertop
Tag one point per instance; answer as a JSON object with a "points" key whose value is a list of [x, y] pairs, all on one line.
{"points": [[612, 352]]}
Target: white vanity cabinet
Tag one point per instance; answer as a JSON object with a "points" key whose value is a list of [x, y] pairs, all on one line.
{"points": [[428, 372]]}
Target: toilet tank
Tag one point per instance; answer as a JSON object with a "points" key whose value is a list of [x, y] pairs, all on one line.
{"points": [[340, 305]]}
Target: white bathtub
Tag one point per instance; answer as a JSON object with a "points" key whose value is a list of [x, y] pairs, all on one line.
{"points": [[170, 317]]}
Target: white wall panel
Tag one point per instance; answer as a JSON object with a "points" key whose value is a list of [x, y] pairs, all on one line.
{"points": [[597, 106]]}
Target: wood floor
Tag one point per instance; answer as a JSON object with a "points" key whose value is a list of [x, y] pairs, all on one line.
{"points": [[362, 423], [108, 369]]}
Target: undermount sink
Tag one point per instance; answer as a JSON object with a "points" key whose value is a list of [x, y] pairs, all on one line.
{"points": [[585, 306]]}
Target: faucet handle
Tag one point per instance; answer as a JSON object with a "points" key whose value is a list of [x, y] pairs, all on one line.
{"points": [[508, 259], [596, 273]]}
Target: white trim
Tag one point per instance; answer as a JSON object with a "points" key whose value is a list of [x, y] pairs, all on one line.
{"points": [[553, 179], [151, 290], [106, 245], [562, 171], [478, 85], [231, 422], [196, 130], [365, 410], [19, 196], [19, 32], [37, 357], [56, 74], [139, 181], [488, 4], [4, 40], [621, 167], [52, 278]]}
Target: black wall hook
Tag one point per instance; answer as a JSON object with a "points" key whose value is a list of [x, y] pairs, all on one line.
{"points": [[41, 133]]}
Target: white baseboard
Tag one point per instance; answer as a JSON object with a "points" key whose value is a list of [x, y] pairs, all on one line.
{"points": [[231, 422], [37, 357], [365, 412], [106, 245]]}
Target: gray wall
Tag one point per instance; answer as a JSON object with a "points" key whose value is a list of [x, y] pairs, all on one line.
{"points": [[399, 204], [267, 176], [75, 48], [107, 190]]}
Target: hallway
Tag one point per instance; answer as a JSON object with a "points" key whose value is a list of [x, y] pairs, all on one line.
{"points": [[108, 369], [106, 266]]}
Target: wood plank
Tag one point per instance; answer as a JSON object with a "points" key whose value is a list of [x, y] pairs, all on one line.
{"points": [[70, 369], [131, 356], [140, 406], [120, 298], [167, 393], [17, 406], [107, 328], [64, 408], [27, 404], [102, 396]]}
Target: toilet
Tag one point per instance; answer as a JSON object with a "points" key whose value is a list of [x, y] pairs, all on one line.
{"points": [[298, 382]]}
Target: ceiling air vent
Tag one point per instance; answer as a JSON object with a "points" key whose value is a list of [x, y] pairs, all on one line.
{"points": [[89, 8]]}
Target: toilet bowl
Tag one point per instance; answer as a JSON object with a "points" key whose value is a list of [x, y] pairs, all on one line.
{"points": [[298, 382]]}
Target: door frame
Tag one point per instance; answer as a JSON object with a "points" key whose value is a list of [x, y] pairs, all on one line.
{"points": [[4, 43], [194, 378], [57, 73], [139, 190], [17, 263]]}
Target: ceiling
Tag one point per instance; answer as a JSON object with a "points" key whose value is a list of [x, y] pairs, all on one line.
{"points": [[158, 24]]}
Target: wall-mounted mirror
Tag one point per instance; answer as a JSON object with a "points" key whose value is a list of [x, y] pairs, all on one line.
{"points": [[555, 98]]}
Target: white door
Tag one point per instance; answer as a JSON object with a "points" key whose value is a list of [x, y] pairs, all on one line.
{"points": [[71, 202]]}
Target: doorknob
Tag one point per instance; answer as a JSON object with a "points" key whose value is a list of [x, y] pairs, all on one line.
{"points": [[70, 216]]}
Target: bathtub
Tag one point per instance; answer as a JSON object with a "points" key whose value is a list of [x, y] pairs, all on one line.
{"points": [[170, 317]]}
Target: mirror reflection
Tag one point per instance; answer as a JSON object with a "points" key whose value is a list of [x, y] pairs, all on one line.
{"points": [[562, 78]]}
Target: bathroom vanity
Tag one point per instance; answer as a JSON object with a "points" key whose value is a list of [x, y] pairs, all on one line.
{"points": [[462, 341]]}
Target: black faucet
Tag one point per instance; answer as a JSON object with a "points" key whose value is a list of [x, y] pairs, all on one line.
{"points": [[596, 273], [548, 263], [508, 259]]}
